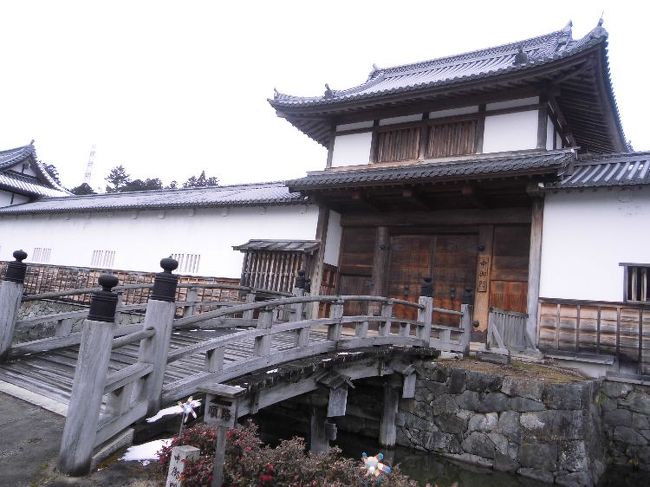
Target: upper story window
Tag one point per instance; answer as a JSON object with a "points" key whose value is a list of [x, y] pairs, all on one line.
{"points": [[637, 283], [426, 140], [187, 263], [102, 258]]}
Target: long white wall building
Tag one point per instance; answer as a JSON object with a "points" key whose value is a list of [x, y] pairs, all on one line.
{"points": [[133, 231]]}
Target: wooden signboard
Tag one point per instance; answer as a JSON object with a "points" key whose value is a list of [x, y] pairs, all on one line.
{"points": [[483, 273]]}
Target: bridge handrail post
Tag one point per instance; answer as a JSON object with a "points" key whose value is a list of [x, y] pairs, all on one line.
{"points": [[249, 314], [386, 315], [466, 324], [262, 345], [425, 314], [302, 337], [81, 423], [11, 293], [159, 315], [190, 300], [336, 313]]}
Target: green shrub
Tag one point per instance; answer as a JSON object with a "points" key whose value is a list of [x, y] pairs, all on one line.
{"points": [[251, 464]]}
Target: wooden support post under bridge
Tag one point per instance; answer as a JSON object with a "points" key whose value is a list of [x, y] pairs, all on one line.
{"points": [[11, 293]]}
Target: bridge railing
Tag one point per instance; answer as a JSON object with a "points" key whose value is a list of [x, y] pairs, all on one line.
{"points": [[61, 329]]}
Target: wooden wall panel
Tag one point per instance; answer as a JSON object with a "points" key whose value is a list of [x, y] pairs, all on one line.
{"points": [[509, 272], [357, 251]]}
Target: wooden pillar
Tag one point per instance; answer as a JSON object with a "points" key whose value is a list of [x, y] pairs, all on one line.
{"points": [[483, 269], [11, 294], [81, 423], [161, 309], [534, 266], [317, 276], [387, 427], [380, 261], [318, 441]]}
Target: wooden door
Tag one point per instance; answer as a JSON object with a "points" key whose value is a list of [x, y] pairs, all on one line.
{"points": [[450, 259]]}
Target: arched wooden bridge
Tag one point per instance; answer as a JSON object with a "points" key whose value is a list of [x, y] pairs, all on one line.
{"points": [[110, 377]]}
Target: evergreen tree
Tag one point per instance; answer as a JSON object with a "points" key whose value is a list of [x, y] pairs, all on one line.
{"points": [[83, 189], [201, 182], [117, 179]]}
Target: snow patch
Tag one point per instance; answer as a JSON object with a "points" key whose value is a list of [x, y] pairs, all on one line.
{"points": [[171, 410], [146, 452], [272, 371]]}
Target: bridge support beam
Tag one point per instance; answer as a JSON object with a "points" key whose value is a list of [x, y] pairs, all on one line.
{"points": [[11, 293], [81, 423], [318, 438], [387, 426]]}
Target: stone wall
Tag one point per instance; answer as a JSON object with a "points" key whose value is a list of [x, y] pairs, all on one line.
{"points": [[548, 430], [626, 423]]}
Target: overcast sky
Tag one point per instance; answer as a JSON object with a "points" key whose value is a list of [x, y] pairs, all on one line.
{"points": [[168, 89]]}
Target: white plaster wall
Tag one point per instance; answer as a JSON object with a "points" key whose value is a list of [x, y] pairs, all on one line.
{"points": [[518, 102], [5, 198], [352, 149], [450, 112], [585, 237], [355, 125], [401, 119], [333, 240], [24, 170], [141, 239], [510, 131]]}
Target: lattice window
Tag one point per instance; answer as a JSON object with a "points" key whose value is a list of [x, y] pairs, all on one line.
{"points": [[637, 283], [275, 271], [398, 145], [102, 258], [41, 255], [188, 263], [451, 139]]}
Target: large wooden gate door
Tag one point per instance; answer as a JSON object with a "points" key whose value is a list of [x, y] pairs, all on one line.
{"points": [[450, 259]]}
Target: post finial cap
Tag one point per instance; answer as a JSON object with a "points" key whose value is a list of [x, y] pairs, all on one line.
{"points": [[20, 255], [168, 264], [107, 282]]}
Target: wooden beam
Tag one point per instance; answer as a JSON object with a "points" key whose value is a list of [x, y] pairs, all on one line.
{"points": [[387, 426], [321, 235], [415, 198], [542, 123], [534, 266], [472, 194], [318, 442], [446, 217], [380, 261]]}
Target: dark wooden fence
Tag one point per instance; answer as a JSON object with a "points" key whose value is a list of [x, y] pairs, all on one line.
{"points": [[620, 330]]}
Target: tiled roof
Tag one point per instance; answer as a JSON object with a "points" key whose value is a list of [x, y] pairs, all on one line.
{"points": [[42, 185], [307, 246], [605, 171], [448, 70], [236, 195], [27, 185], [478, 166]]}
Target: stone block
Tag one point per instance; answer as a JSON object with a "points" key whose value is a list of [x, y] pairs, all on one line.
{"points": [[179, 455], [442, 442], [640, 421], [456, 381], [615, 390], [479, 444], [483, 422], [637, 401], [493, 402], [436, 388], [444, 404], [523, 405], [494, 358], [451, 423], [572, 456], [566, 396], [504, 463], [482, 382], [471, 459], [526, 388], [501, 443], [629, 436], [533, 473], [609, 404], [552, 425], [618, 417], [509, 425], [542, 456], [468, 400]]}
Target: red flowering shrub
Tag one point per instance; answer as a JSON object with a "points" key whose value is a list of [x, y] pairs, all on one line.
{"points": [[250, 464]]}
